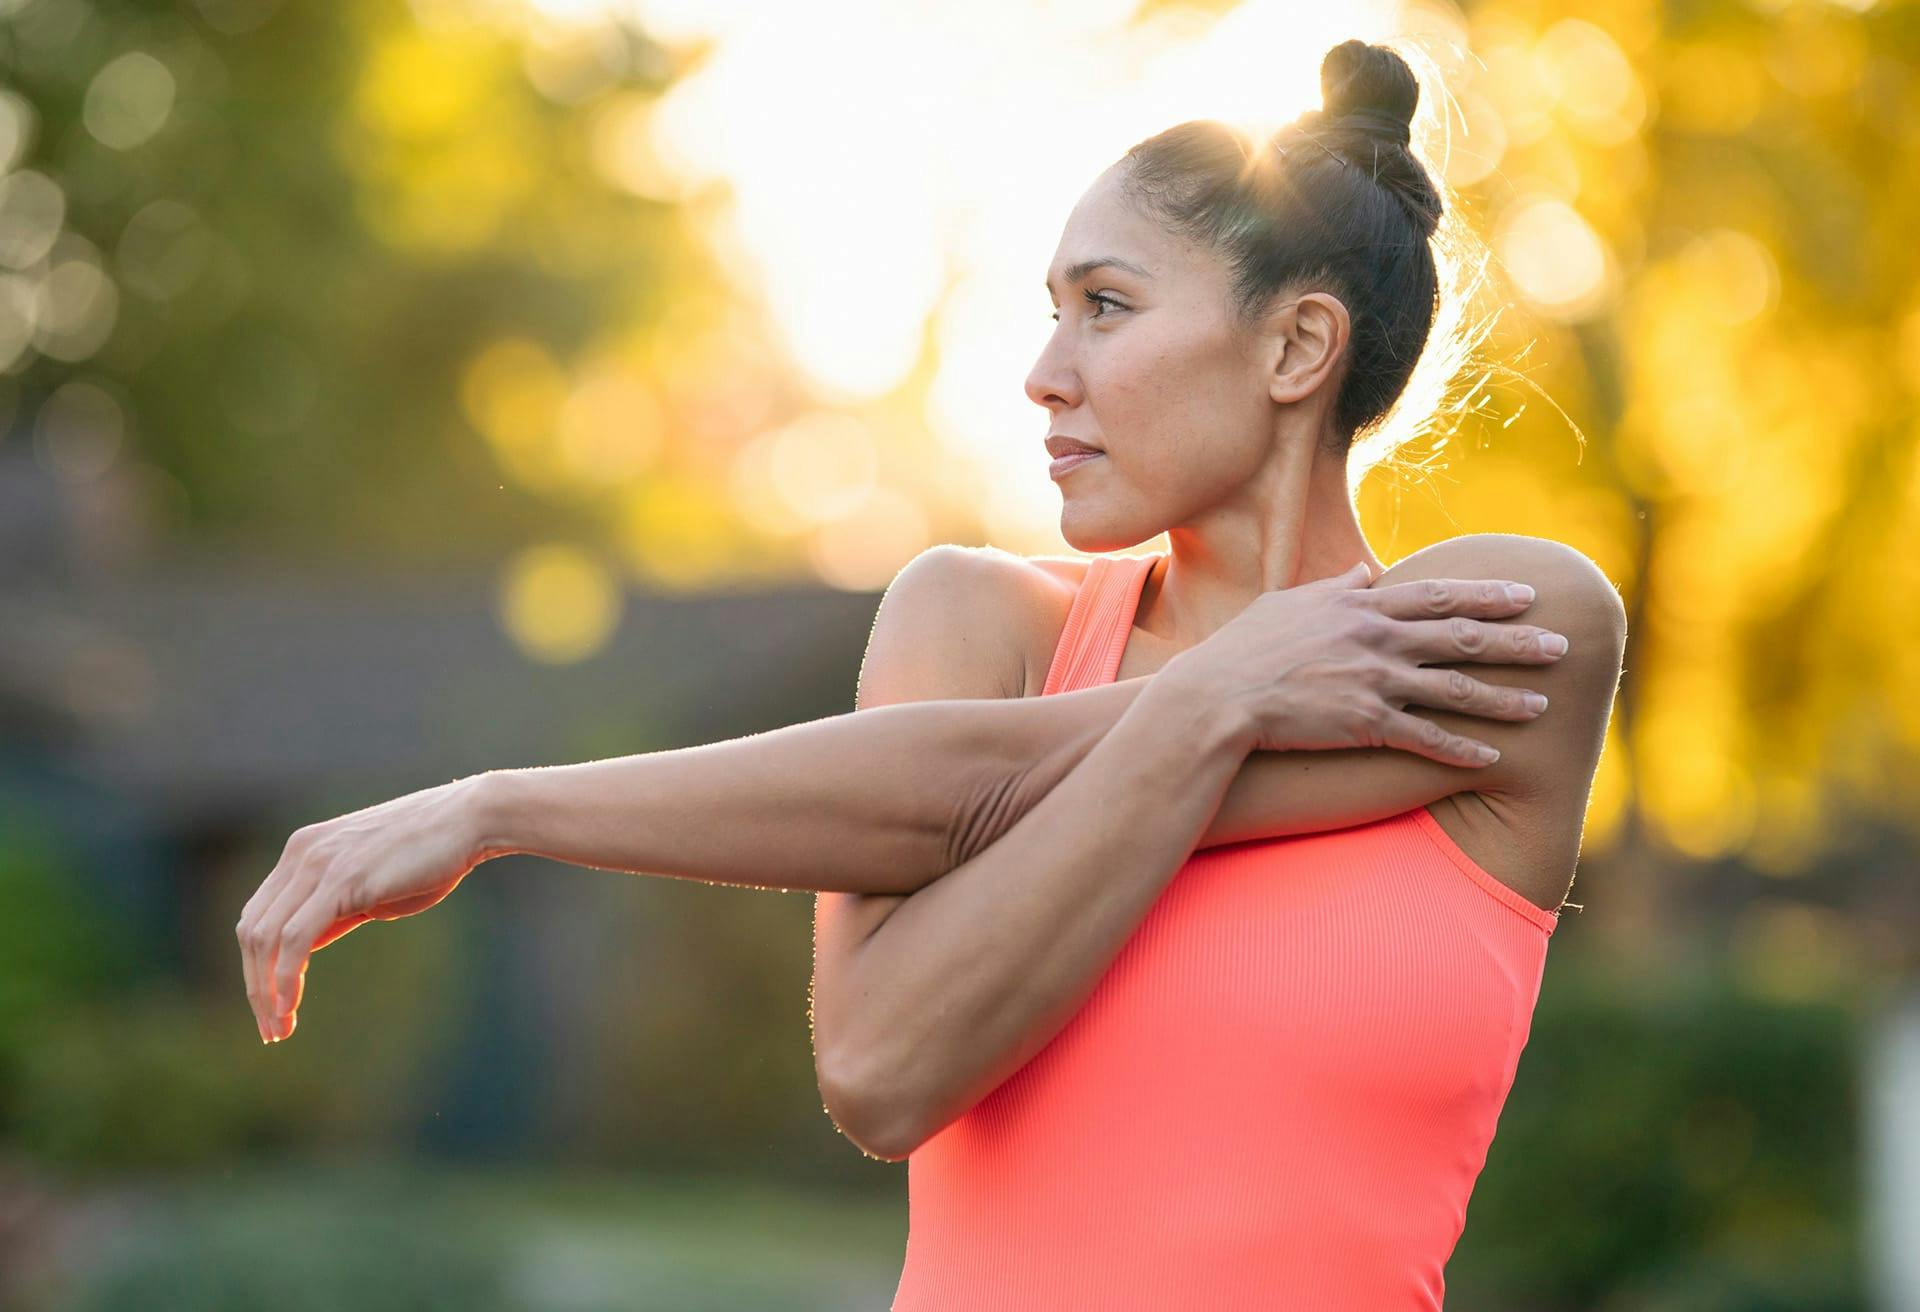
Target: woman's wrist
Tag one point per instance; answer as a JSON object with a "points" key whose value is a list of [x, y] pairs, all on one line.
{"points": [[489, 802], [1218, 722]]}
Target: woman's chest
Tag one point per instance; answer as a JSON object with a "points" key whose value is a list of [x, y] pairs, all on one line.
{"points": [[1327, 960], [1522, 843]]}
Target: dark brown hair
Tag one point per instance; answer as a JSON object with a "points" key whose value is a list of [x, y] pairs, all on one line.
{"points": [[1335, 201]]}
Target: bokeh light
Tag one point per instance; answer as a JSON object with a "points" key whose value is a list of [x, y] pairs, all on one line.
{"points": [[559, 602], [128, 101]]}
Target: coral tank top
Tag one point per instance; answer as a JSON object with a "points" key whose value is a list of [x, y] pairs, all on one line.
{"points": [[1279, 1095]]}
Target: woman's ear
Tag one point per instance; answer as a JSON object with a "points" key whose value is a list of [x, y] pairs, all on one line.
{"points": [[1312, 333]]}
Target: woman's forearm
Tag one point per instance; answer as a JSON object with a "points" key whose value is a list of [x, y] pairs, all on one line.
{"points": [[884, 800], [970, 977]]}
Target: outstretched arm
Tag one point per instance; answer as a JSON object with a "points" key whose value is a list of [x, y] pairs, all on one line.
{"points": [[883, 800], [860, 804], [890, 798]]}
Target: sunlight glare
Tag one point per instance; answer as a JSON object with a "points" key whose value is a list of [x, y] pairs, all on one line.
{"points": [[873, 206]]}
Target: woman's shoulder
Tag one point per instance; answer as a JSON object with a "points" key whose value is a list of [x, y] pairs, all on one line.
{"points": [[998, 571], [1022, 600]]}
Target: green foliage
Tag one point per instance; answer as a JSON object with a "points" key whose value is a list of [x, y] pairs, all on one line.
{"points": [[1671, 1137], [287, 355], [60, 951], [53, 945], [325, 1237], [105, 1066]]}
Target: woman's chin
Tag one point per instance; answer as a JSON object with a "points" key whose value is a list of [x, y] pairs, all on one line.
{"points": [[1095, 537]]}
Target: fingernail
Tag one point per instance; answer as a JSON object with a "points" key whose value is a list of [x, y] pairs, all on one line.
{"points": [[1553, 644], [1488, 754], [1520, 592], [1534, 701]]}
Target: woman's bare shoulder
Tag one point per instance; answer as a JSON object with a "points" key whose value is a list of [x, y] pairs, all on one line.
{"points": [[996, 564], [1026, 598], [981, 605]]}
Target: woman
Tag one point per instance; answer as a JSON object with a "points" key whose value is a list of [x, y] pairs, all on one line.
{"points": [[1185, 964]]}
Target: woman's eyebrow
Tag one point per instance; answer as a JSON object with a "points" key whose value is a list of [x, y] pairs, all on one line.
{"points": [[1075, 272]]}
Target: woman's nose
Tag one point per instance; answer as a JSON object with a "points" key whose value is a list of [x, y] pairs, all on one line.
{"points": [[1049, 384]]}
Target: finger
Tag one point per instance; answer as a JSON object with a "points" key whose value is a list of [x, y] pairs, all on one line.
{"points": [[1463, 639], [327, 914], [1419, 599], [272, 925], [256, 950], [1425, 738], [290, 968], [246, 969], [253, 944], [1456, 690]]}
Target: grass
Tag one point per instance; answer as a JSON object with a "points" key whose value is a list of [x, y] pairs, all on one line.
{"points": [[381, 1237]]}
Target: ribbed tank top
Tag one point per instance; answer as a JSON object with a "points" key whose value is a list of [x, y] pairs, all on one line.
{"points": [[1279, 1094]]}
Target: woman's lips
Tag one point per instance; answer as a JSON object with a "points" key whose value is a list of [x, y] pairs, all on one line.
{"points": [[1064, 463]]}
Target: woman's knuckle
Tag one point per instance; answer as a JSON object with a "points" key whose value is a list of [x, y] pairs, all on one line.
{"points": [[1436, 594], [1374, 727], [1460, 687]]}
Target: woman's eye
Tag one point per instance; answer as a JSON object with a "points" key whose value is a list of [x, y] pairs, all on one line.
{"points": [[1095, 298]]}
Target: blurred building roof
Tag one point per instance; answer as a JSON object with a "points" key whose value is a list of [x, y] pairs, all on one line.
{"points": [[211, 685]]}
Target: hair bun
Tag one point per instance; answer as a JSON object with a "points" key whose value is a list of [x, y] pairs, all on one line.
{"points": [[1379, 123], [1370, 86]]}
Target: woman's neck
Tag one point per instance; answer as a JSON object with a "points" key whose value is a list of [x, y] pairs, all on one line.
{"points": [[1297, 527]]}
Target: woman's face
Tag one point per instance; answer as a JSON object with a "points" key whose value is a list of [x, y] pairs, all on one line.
{"points": [[1143, 365]]}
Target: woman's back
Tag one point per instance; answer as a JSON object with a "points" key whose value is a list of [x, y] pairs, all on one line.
{"points": [[1283, 1088]]}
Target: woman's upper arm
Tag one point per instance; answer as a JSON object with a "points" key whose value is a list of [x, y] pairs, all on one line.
{"points": [[1280, 793], [946, 628]]}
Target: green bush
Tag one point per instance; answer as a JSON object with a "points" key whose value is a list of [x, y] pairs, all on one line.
{"points": [[1676, 1139]]}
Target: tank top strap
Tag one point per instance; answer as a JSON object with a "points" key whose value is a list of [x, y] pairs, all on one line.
{"points": [[1095, 636]]}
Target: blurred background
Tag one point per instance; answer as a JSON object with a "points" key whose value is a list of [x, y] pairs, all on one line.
{"points": [[391, 392]]}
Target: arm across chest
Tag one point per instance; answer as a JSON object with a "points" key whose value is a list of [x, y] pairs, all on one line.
{"points": [[1519, 819]]}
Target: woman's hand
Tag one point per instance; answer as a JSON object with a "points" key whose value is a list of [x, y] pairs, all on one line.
{"points": [[1332, 663], [380, 863]]}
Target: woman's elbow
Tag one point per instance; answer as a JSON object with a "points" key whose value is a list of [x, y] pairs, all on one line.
{"points": [[869, 1116]]}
